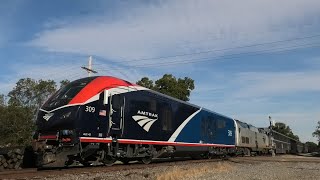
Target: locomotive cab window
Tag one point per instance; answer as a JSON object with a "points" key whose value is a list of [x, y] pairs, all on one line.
{"points": [[66, 93]]}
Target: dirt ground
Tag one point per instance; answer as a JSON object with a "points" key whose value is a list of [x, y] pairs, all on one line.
{"points": [[280, 167]]}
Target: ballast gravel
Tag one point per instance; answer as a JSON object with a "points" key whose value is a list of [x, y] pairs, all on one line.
{"points": [[211, 170]]}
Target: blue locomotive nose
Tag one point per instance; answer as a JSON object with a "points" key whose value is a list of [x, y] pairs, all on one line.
{"points": [[56, 113], [64, 118]]}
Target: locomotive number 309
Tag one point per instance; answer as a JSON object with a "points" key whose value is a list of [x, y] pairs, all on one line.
{"points": [[90, 109]]}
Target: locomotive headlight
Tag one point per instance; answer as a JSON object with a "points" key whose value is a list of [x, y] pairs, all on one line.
{"points": [[47, 147]]}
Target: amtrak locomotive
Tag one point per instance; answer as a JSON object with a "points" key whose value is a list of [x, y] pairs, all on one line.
{"points": [[104, 119]]}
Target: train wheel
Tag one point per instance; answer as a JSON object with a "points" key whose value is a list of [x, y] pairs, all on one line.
{"points": [[108, 160], [85, 163], [146, 160], [248, 152], [210, 156], [125, 160], [69, 162]]}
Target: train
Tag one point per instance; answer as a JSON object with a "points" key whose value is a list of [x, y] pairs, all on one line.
{"points": [[104, 119], [287, 145]]}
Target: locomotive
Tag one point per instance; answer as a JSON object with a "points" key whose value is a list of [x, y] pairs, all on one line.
{"points": [[104, 119]]}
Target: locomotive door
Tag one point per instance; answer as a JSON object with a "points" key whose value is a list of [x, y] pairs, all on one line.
{"points": [[116, 114]]}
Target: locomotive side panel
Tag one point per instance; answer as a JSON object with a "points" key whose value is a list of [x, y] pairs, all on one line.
{"points": [[246, 137], [250, 138], [282, 143], [149, 116], [208, 127], [93, 119]]}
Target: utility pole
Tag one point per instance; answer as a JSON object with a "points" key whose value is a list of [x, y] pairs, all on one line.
{"points": [[271, 137], [270, 121], [89, 68]]}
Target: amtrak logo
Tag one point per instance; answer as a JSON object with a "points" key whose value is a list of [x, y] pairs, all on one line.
{"points": [[145, 119], [47, 116]]}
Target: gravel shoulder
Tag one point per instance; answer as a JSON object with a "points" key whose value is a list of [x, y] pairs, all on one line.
{"points": [[283, 167]]}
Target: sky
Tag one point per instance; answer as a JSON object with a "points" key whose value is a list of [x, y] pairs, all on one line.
{"points": [[249, 59]]}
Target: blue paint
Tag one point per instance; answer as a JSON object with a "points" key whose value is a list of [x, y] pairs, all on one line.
{"points": [[196, 131]]}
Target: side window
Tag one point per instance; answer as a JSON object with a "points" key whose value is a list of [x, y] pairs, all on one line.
{"points": [[247, 140], [144, 103], [166, 117], [208, 128], [243, 139], [139, 104], [221, 123], [153, 105]]}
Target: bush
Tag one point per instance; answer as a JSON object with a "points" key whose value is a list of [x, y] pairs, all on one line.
{"points": [[17, 125]]}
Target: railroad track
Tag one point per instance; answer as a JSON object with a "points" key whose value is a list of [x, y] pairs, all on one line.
{"points": [[34, 173]]}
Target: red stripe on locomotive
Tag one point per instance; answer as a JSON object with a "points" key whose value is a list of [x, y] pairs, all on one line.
{"points": [[96, 86]]}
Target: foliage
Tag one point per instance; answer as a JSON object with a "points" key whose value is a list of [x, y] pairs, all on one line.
{"points": [[312, 147], [17, 117], [64, 82], [316, 133], [43, 90], [146, 82], [16, 124], [31, 93], [284, 129], [2, 100], [169, 85]]}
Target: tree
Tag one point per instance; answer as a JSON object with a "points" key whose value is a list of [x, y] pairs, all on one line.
{"points": [[64, 82], [43, 90], [316, 133], [31, 93], [2, 100], [22, 94], [16, 124], [284, 129], [146, 82], [312, 147], [169, 85], [17, 116]]}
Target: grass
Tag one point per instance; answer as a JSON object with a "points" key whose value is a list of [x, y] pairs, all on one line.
{"points": [[183, 172]]}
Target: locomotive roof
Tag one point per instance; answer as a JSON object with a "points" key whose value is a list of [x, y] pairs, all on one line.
{"points": [[187, 103], [175, 99], [129, 84]]}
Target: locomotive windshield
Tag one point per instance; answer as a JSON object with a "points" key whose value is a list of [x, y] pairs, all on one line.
{"points": [[66, 93]]}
